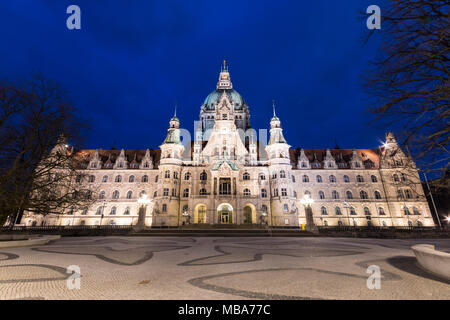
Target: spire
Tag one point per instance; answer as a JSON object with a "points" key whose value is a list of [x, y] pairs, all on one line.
{"points": [[174, 118], [274, 118], [173, 133], [224, 78]]}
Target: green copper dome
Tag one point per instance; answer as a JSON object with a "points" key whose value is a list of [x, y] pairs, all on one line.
{"points": [[234, 96]]}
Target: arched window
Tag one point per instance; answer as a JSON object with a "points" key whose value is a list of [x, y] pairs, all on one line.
{"points": [[349, 195], [419, 224], [156, 178], [175, 175], [129, 194], [403, 177], [142, 193], [374, 178], [359, 178], [332, 179], [144, 178], [264, 208], [99, 211], [396, 179], [346, 178], [377, 195], [293, 179], [275, 192], [338, 211], [282, 174], [186, 193], [187, 176], [366, 211], [131, 179], [295, 194], [352, 211], [274, 175], [203, 176], [113, 211], [91, 178], [85, 211], [115, 194], [246, 192], [127, 211], [335, 194], [308, 193], [262, 176], [305, 178], [321, 195], [263, 193], [246, 176], [203, 192], [285, 208], [77, 178], [381, 211], [363, 194], [416, 211], [323, 210], [174, 192], [319, 179], [406, 211], [118, 178], [400, 194], [408, 194], [105, 179], [102, 194], [155, 194], [167, 174]]}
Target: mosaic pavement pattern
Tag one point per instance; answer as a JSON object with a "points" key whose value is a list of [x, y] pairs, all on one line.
{"points": [[218, 268]]}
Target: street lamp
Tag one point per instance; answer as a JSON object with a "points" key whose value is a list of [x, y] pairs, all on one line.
{"points": [[307, 201], [143, 201], [347, 206], [103, 211]]}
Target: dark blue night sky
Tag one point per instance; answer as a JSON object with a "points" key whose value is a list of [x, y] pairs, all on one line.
{"points": [[133, 60]]}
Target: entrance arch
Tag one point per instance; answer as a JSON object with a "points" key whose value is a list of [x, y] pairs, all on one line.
{"points": [[225, 213], [249, 214], [200, 214]]}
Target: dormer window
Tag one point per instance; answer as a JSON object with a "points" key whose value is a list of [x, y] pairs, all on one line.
{"points": [[224, 116], [304, 165], [94, 165]]}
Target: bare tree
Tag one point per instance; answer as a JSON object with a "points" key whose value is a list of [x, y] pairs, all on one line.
{"points": [[409, 80], [38, 170]]}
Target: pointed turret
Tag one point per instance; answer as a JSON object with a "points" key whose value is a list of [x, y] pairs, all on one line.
{"points": [[95, 162], [121, 161], [277, 148], [224, 82], [172, 148]]}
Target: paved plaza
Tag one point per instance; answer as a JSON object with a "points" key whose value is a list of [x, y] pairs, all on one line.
{"points": [[218, 268]]}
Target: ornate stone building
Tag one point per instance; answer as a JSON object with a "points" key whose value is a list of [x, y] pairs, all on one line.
{"points": [[227, 176]]}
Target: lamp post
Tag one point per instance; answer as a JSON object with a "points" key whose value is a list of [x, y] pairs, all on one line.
{"points": [[143, 201], [347, 206], [103, 211], [307, 201]]}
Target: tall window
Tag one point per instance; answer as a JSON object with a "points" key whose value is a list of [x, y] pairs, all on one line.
{"points": [[156, 178], [263, 193], [283, 192], [396, 179], [332, 179], [187, 176], [321, 195], [366, 211], [416, 211], [285, 208], [262, 176], [346, 178], [203, 176], [338, 211], [400, 194], [144, 178], [246, 192], [293, 179], [129, 194], [99, 211], [119, 178], [113, 211], [323, 210], [282, 174], [203, 192], [165, 192], [374, 178], [377, 195], [274, 175], [381, 211], [186, 193], [363, 194], [167, 174], [246, 176], [359, 178], [131, 179], [175, 175], [115, 194], [174, 192], [224, 186], [403, 177], [264, 208], [105, 179], [352, 211], [91, 178], [335, 194], [406, 211], [408, 194], [155, 194], [102, 194], [319, 179], [349, 195], [275, 192], [164, 207], [305, 178]]}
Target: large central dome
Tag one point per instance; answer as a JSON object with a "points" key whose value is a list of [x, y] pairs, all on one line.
{"points": [[234, 96]]}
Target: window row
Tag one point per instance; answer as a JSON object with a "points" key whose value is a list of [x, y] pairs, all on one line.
{"points": [[352, 211], [349, 195], [332, 178]]}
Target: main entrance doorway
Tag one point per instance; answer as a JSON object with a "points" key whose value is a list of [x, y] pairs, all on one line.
{"points": [[225, 213]]}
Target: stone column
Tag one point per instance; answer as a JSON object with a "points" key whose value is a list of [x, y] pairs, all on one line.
{"points": [[140, 225], [310, 225]]}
